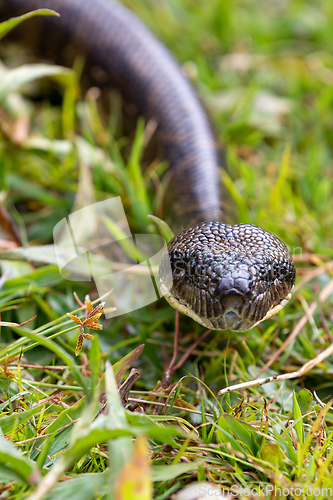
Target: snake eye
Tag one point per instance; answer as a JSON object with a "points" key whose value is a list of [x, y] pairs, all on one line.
{"points": [[234, 277]]}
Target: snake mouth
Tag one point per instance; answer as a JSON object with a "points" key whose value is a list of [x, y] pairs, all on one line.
{"points": [[233, 318], [232, 305]]}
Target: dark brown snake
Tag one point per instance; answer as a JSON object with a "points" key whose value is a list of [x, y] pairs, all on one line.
{"points": [[224, 277]]}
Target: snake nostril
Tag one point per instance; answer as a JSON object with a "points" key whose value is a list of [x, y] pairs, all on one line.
{"points": [[230, 286], [242, 284], [225, 285]]}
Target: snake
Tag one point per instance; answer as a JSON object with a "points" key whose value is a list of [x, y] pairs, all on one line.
{"points": [[222, 276]]}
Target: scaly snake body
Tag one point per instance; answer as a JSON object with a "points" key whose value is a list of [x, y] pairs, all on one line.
{"points": [[223, 276]]}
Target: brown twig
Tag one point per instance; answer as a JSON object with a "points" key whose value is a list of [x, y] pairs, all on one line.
{"points": [[284, 376], [9, 226], [314, 274], [169, 371], [190, 350], [324, 294]]}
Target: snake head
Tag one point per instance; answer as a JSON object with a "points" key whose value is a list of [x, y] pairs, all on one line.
{"points": [[227, 277]]}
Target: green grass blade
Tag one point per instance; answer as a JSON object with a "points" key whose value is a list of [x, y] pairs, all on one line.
{"points": [[298, 418], [16, 461], [15, 78], [7, 26]]}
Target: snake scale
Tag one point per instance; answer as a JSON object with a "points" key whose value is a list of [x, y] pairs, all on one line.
{"points": [[224, 277]]}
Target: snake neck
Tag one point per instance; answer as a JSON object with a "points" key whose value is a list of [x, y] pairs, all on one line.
{"points": [[110, 36]]}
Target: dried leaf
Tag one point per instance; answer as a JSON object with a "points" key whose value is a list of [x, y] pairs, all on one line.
{"points": [[88, 336], [79, 345], [91, 319], [95, 326], [88, 304], [75, 318]]}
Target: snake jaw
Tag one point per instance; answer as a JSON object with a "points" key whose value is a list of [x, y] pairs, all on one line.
{"points": [[227, 277], [275, 309], [183, 307]]}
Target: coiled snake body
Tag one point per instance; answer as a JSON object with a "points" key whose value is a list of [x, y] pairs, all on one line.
{"points": [[222, 276]]}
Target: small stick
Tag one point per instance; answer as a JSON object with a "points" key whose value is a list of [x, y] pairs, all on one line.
{"points": [[173, 366], [170, 369], [160, 403], [190, 350], [324, 294], [284, 376]]}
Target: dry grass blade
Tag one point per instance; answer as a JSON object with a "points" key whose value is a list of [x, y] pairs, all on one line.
{"points": [[324, 294], [284, 376]]}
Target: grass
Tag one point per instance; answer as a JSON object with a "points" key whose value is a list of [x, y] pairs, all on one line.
{"points": [[265, 73]]}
